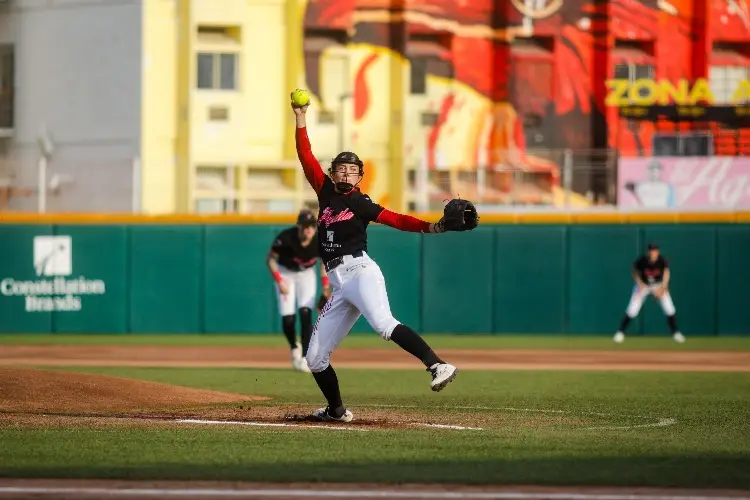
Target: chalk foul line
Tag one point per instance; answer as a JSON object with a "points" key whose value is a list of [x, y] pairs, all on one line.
{"points": [[660, 421], [454, 427], [314, 426], [663, 422], [269, 424]]}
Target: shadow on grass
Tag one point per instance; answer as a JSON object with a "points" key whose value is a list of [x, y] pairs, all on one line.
{"points": [[703, 471]]}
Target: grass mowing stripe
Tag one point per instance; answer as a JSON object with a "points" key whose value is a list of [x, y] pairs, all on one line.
{"points": [[438, 341], [252, 454], [438, 495]]}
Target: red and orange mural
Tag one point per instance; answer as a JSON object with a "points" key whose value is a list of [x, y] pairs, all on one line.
{"points": [[507, 84]]}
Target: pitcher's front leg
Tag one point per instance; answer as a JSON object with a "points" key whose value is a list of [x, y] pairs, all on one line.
{"points": [[333, 324]]}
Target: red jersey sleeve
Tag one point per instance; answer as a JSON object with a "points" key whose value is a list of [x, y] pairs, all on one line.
{"points": [[403, 222], [310, 165]]}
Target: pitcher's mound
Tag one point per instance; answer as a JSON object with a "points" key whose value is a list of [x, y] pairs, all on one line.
{"points": [[23, 390]]}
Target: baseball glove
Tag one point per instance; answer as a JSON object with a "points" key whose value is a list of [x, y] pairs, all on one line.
{"points": [[459, 215], [321, 302]]}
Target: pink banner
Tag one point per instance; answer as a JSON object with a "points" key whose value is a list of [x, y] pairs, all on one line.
{"points": [[684, 182]]}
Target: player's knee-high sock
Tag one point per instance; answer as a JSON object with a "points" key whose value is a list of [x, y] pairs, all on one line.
{"points": [[672, 322], [328, 383], [408, 340], [287, 323], [624, 323], [306, 328]]}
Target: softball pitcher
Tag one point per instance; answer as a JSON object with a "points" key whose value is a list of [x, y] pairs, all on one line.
{"points": [[357, 281]]}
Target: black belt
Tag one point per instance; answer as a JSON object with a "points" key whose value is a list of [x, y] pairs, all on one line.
{"points": [[337, 261]]}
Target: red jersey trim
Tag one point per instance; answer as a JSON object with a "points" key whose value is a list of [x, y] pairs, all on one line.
{"points": [[403, 222], [310, 164]]}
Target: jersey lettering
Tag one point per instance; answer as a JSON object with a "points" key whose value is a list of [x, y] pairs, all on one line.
{"points": [[351, 213], [651, 272], [328, 218]]}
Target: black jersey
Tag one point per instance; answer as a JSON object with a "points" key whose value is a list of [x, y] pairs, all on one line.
{"points": [[651, 272], [292, 255], [343, 220]]}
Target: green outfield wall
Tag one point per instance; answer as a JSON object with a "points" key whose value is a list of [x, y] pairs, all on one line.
{"points": [[500, 278]]}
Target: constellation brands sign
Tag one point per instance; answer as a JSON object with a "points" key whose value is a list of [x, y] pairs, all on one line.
{"points": [[648, 92], [684, 182], [54, 288]]}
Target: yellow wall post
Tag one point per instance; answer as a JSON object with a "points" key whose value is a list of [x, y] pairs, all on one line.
{"points": [[158, 134], [396, 175], [184, 84], [294, 57]]}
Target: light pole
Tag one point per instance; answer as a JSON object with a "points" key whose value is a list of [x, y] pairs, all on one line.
{"points": [[46, 148]]}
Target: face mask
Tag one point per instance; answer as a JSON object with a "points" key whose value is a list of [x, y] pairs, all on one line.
{"points": [[344, 187]]}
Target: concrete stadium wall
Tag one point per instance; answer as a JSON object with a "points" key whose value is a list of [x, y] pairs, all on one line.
{"points": [[500, 278], [78, 76]]}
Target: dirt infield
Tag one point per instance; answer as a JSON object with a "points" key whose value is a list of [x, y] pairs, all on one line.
{"points": [[387, 357], [25, 389], [41, 398], [33, 398]]}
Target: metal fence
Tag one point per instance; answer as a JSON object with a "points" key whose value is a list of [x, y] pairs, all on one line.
{"points": [[539, 178], [547, 180]]}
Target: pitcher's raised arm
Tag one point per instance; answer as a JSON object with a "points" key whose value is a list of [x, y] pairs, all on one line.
{"points": [[310, 164]]}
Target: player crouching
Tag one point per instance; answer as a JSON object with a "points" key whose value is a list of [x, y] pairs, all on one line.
{"points": [[651, 274], [291, 260]]}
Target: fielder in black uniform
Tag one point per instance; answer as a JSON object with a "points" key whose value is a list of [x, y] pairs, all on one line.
{"points": [[291, 260], [357, 282], [651, 274]]}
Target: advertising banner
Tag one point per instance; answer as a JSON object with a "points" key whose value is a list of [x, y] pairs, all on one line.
{"points": [[66, 279], [720, 182]]}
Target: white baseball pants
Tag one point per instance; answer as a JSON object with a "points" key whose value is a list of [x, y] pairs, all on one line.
{"points": [[302, 289], [358, 288], [638, 296]]}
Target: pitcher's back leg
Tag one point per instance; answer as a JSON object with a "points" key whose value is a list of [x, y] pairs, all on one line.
{"points": [[368, 292]]}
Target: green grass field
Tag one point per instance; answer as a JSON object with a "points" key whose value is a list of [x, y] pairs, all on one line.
{"points": [[641, 343], [540, 427]]}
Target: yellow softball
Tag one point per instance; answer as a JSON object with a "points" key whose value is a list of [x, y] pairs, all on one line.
{"points": [[300, 97]]}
